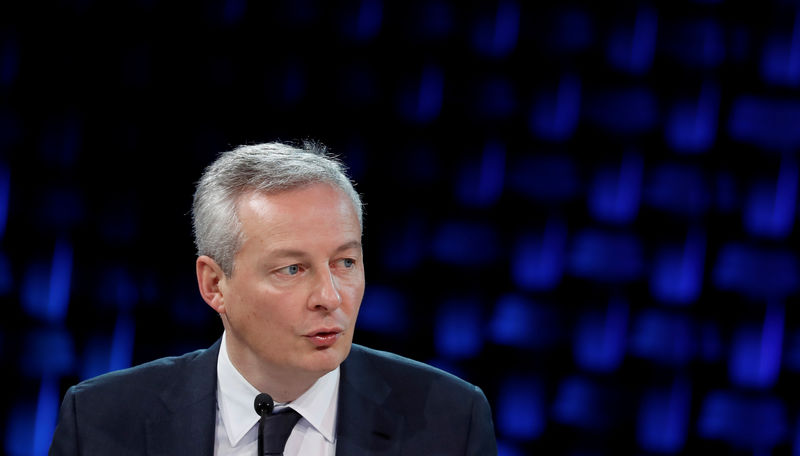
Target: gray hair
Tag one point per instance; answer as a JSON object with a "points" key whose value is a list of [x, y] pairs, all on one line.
{"points": [[269, 168]]}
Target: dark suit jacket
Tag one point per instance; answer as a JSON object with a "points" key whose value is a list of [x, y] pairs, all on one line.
{"points": [[388, 405]]}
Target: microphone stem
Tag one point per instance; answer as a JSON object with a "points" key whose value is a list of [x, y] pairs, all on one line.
{"points": [[261, 434]]}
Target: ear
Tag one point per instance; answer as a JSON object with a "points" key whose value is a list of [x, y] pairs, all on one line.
{"points": [[211, 281]]}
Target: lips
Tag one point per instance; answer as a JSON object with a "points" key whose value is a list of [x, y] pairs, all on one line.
{"points": [[324, 337]]}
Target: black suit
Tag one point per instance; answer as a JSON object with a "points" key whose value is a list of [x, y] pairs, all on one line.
{"points": [[388, 405]]}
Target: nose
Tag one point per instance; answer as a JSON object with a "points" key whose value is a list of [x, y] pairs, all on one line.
{"points": [[326, 294]]}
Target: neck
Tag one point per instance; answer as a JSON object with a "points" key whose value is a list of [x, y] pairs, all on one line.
{"points": [[283, 385]]}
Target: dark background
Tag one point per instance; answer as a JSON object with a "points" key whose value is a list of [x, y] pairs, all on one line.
{"points": [[585, 208]]}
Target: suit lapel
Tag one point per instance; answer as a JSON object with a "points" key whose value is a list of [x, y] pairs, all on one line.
{"points": [[364, 424], [189, 426]]}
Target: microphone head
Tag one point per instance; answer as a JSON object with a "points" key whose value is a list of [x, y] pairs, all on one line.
{"points": [[264, 403]]}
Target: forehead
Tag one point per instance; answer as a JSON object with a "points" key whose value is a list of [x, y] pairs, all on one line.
{"points": [[314, 207]]}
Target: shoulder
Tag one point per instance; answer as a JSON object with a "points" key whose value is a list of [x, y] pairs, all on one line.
{"points": [[407, 374], [145, 380]]}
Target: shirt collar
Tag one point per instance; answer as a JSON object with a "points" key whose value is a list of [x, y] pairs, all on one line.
{"points": [[235, 396]]}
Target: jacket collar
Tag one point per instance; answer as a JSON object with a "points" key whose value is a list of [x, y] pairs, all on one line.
{"points": [[188, 427], [364, 424]]}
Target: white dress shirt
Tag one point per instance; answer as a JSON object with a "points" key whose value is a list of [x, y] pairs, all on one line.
{"points": [[237, 422]]}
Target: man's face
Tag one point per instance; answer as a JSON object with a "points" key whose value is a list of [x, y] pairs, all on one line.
{"points": [[292, 300]]}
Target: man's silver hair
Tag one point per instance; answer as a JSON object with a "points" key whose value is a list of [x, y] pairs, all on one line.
{"points": [[269, 168]]}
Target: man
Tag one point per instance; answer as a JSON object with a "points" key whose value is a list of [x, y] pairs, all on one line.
{"points": [[278, 233]]}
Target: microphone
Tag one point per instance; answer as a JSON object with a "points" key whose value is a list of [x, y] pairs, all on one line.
{"points": [[263, 405]]}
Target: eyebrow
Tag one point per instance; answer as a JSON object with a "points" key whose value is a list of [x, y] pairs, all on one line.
{"points": [[302, 253]]}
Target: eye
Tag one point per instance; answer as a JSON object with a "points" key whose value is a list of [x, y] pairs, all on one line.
{"points": [[348, 262], [292, 269]]}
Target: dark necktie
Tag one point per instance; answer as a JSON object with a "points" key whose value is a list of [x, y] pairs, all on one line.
{"points": [[277, 428]]}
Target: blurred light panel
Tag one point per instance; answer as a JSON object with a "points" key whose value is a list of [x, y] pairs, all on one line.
{"points": [[520, 322], [631, 49], [496, 36], [662, 337], [697, 42], [769, 123], [755, 272], [46, 415], [459, 328], [422, 101], [537, 259], [780, 58], [122, 342], [691, 126], [466, 243], [555, 114], [521, 408], [623, 111], [677, 272], [771, 206], [117, 288], [547, 178], [48, 352], [481, 183], [606, 257], [743, 421], [581, 403], [664, 418], [364, 22], [233, 11], [20, 427], [615, 193], [756, 352], [678, 189], [383, 310], [600, 338], [45, 291]]}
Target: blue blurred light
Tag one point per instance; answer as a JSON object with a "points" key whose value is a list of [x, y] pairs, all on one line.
{"points": [[96, 357], [521, 411], [764, 122], [118, 288], [624, 111], [555, 115], [632, 50], [756, 354], [45, 294], [662, 337], [677, 273], [692, 125], [496, 98], [383, 310], [780, 60], [9, 61], [480, 184], [615, 193], [423, 102], [600, 338], [48, 352], [233, 11], [122, 343], [518, 322], [664, 418], [697, 43], [20, 426], [505, 448], [404, 247], [745, 422], [580, 402], [537, 260], [497, 36], [678, 189], [459, 329], [571, 30], [606, 257], [466, 244], [549, 178], [5, 190], [364, 23], [755, 272], [46, 415], [770, 209]]}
